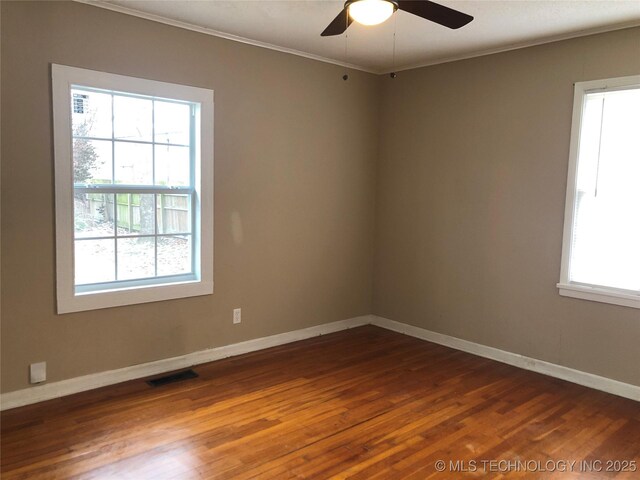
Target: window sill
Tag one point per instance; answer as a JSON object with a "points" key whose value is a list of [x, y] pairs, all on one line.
{"points": [[599, 294], [154, 293]]}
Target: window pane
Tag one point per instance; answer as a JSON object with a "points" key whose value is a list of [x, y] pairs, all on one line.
{"points": [[132, 118], [94, 261], [91, 161], [172, 166], [135, 214], [606, 230], [93, 215], [174, 213], [136, 258], [90, 113], [174, 255], [172, 122], [133, 163]]}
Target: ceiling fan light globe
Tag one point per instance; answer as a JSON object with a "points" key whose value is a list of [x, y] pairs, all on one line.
{"points": [[371, 12]]}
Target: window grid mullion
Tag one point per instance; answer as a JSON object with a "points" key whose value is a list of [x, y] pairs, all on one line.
{"points": [[113, 146], [155, 237], [126, 140], [148, 235], [133, 189], [115, 195], [153, 142], [115, 234]]}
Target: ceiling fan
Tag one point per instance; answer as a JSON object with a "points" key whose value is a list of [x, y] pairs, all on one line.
{"points": [[373, 12]]}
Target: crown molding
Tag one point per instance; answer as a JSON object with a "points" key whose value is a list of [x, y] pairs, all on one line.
{"points": [[411, 66], [517, 46], [226, 36]]}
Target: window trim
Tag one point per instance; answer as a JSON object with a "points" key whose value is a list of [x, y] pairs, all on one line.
{"points": [[63, 77], [567, 288]]}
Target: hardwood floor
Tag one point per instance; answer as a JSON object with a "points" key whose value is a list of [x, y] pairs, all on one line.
{"points": [[364, 404]]}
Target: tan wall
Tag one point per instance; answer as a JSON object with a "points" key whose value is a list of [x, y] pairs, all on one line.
{"points": [[471, 190], [295, 151], [470, 197]]}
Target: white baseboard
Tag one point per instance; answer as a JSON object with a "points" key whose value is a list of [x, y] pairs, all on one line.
{"points": [[62, 388], [553, 370]]}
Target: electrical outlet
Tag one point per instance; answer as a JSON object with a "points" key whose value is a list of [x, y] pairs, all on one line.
{"points": [[237, 315], [38, 372]]}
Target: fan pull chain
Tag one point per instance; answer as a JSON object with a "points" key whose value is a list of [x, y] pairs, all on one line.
{"points": [[393, 74], [345, 77]]}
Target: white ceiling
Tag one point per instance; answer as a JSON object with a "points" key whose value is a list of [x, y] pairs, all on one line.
{"points": [[294, 26]]}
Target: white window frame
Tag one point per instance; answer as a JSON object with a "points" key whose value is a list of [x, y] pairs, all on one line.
{"points": [[567, 288], [201, 282]]}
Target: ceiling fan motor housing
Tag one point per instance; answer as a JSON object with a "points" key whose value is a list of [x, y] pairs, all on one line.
{"points": [[369, 12], [392, 2]]}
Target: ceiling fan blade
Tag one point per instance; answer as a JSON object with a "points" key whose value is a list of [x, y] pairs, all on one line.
{"points": [[338, 25], [435, 12]]}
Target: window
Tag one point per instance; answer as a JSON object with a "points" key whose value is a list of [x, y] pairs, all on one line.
{"points": [[134, 189], [601, 244]]}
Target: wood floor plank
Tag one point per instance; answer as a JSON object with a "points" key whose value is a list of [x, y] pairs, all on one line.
{"points": [[362, 404]]}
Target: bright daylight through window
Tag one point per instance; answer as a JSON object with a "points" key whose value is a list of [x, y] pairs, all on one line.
{"points": [[601, 249], [133, 189]]}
